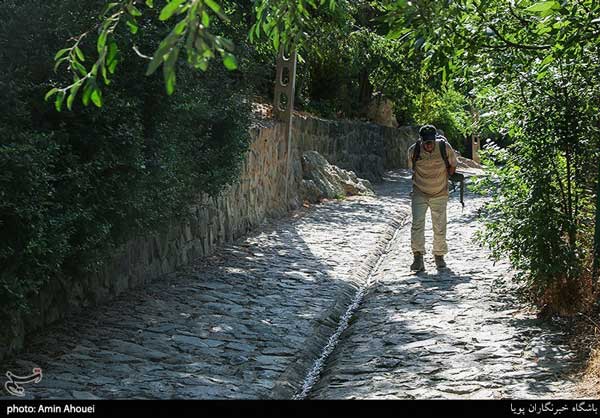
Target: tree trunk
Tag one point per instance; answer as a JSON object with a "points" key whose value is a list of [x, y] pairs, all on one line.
{"points": [[365, 90]]}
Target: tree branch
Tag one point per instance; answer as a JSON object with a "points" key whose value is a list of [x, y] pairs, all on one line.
{"points": [[515, 45], [524, 22]]}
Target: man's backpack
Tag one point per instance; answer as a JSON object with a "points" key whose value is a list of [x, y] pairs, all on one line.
{"points": [[442, 144], [454, 178]]}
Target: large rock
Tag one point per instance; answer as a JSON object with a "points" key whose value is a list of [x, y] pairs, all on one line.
{"points": [[324, 180], [467, 166], [310, 192], [468, 163], [381, 111]]}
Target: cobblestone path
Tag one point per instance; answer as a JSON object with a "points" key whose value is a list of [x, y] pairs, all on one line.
{"points": [[247, 323], [250, 321], [454, 333]]}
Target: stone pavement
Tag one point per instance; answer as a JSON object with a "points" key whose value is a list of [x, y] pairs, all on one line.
{"points": [[246, 323], [455, 333], [250, 321]]}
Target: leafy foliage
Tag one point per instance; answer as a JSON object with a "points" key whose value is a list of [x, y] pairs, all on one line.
{"points": [[542, 209], [282, 21], [448, 111], [522, 71], [532, 68], [191, 32], [74, 186]]}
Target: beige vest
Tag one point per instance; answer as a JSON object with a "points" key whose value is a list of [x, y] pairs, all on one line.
{"points": [[430, 176]]}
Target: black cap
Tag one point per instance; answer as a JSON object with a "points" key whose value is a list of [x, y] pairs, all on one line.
{"points": [[428, 133]]}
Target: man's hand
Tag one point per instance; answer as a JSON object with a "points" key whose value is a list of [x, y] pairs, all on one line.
{"points": [[451, 170]]}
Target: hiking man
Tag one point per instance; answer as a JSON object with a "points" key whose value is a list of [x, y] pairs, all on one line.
{"points": [[432, 161]]}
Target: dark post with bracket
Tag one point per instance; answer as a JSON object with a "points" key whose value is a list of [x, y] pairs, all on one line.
{"points": [[596, 265], [283, 105]]}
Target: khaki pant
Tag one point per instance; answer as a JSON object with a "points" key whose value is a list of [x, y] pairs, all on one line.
{"points": [[437, 205]]}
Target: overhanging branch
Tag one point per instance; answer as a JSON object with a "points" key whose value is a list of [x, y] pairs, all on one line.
{"points": [[516, 45]]}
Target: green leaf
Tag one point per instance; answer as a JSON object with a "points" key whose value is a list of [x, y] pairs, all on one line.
{"points": [[230, 61], [102, 41], [215, 8], [133, 11], [60, 97], [251, 34], [547, 60], [109, 7], [543, 29], [157, 60], [133, 27], [79, 53], [112, 66], [543, 6], [228, 44], [169, 71], [97, 97], [205, 19], [170, 79], [213, 5], [77, 66], [396, 33], [72, 96], [202, 64], [60, 61], [154, 64], [301, 8], [60, 53], [113, 51], [170, 9], [50, 94], [105, 75], [87, 93], [206, 51], [150, 3], [180, 27]]}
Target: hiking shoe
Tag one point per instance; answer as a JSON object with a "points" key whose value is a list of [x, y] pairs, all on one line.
{"points": [[439, 261], [418, 264]]}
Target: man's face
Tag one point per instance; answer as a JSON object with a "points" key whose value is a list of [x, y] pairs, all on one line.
{"points": [[428, 145]]}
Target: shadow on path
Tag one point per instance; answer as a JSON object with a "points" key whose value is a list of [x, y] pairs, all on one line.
{"points": [[244, 323], [452, 333]]}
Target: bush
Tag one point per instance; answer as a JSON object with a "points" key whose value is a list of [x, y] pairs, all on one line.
{"points": [[76, 185], [542, 188], [447, 111]]}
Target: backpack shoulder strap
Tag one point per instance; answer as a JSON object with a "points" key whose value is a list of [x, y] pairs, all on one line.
{"points": [[442, 144], [416, 152]]}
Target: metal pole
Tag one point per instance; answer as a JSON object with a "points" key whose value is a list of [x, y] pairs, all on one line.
{"points": [[283, 105], [596, 264]]}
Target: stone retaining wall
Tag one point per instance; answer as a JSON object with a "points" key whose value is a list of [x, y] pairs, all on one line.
{"points": [[396, 146], [367, 149]]}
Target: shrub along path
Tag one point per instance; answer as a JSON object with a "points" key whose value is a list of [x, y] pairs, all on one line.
{"points": [[250, 321]]}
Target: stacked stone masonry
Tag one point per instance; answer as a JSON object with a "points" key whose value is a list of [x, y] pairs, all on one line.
{"points": [[259, 194], [365, 148]]}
